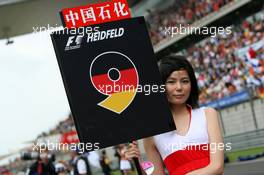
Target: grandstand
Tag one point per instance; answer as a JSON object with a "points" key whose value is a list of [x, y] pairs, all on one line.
{"points": [[229, 68]]}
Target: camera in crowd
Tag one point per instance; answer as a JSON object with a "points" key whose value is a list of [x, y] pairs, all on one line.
{"points": [[60, 168], [35, 156], [29, 155]]}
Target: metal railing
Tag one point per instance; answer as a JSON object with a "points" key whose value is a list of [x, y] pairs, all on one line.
{"points": [[246, 140]]}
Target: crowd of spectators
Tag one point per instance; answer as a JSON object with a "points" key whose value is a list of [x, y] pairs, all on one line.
{"points": [[182, 12], [220, 71]]}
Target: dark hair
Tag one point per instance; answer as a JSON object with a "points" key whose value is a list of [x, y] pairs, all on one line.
{"points": [[172, 63]]}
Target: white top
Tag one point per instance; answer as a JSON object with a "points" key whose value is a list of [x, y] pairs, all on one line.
{"points": [[81, 166], [197, 134]]}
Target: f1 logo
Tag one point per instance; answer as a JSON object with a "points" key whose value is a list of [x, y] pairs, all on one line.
{"points": [[77, 40]]}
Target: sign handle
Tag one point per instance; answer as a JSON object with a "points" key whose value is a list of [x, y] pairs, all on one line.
{"points": [[137, 164]]}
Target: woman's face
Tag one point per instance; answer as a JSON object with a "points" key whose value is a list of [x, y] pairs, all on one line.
{"points": [[178, 87]]}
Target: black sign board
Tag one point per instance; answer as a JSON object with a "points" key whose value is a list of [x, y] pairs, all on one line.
{"points": [[112, 82]]}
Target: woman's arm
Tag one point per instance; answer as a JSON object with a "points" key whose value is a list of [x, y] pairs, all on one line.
{"points": [[216, 166], [152, 155]]}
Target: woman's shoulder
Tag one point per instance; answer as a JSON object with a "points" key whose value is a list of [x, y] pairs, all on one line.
{"points": [[207, 110], [211, 114], [210, 111]]}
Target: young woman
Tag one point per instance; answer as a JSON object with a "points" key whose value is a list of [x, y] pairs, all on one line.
{"points": [[196, 146]]}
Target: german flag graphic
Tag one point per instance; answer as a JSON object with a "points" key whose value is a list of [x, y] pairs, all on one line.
{"points": [[114, 74]]}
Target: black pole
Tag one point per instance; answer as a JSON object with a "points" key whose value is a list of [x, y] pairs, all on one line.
{"points": [[137, 164]]}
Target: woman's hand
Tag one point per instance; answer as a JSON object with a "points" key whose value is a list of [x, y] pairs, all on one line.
{"points": [[132, 151]]}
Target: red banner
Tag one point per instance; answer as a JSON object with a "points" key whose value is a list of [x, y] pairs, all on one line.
{"points": [[70, 137], [95, 13]]}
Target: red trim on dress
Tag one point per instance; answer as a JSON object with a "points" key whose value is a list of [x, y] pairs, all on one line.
{"points": [[191, 158]]}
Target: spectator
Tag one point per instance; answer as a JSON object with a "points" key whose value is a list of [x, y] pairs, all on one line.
{"points": [[43, 165], [105, 163], [80, 164]]}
